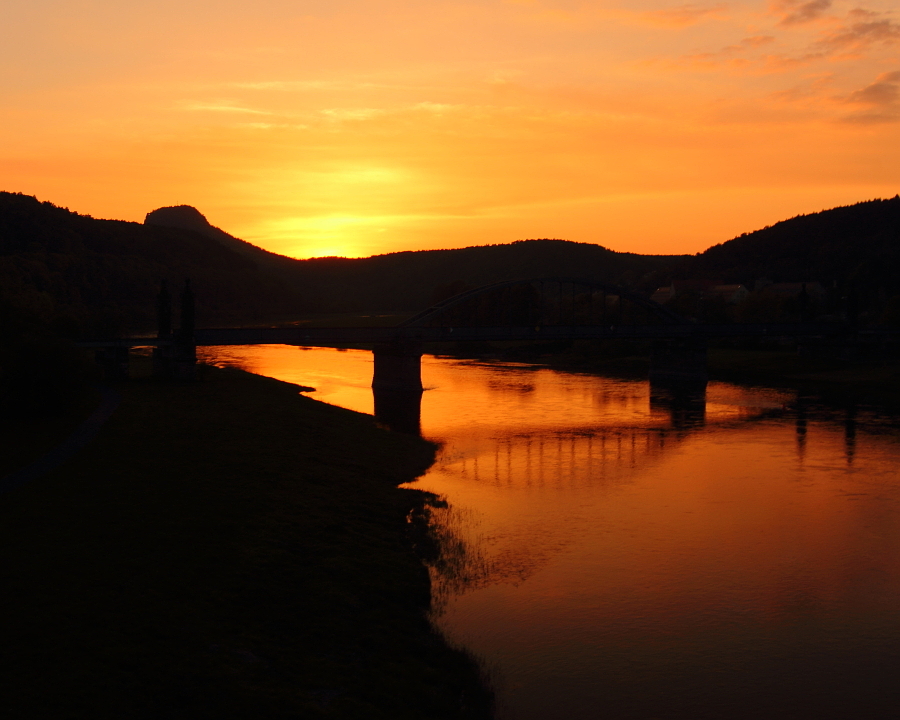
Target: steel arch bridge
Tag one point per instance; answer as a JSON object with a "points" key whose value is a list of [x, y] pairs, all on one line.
{"points": [[550, 308]]}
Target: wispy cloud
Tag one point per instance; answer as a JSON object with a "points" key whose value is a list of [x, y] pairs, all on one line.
{"points": [[340, 114], [683, 15], [282, 85], [365, 113], [812, 88], [797, 12], [273, 126], [858, 36], [861, 32], [732, 54], [880, 101], [219, 107]]}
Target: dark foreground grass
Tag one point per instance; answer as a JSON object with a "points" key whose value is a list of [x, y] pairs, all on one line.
{"points": [[24, 438], [225, 549]]}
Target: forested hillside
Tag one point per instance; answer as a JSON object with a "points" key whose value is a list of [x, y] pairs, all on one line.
{"points": [[86, 277], [853, 252], [413, 280], [857, 244], [100, 277]]}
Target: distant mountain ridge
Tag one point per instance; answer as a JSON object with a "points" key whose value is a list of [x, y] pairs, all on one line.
{"points": [[101, 276], [407, 280], [415, 279], [186, 217]]}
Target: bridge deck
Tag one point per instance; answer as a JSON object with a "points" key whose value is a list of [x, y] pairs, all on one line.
{"points": [[325, 336]]}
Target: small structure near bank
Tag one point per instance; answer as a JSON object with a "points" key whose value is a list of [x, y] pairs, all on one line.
{"points": [[175, 354]]}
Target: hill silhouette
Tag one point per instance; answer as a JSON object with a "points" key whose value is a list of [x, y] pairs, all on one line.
{"points": [[852, 251], [856, 243], [185, 217], [100, 277], [85, 276], [414, 280]]}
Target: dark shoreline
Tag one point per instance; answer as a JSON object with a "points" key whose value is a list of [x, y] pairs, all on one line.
{"points": [[225, 549]]}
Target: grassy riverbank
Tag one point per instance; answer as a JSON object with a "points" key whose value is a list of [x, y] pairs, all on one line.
{"points": [[23, 440], [225, 549]]}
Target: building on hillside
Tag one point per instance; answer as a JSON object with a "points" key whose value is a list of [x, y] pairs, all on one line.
{"points": [[664, 294], [706, 289], [731, 294], [813, 290]]}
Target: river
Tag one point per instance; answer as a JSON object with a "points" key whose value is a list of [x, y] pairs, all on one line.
{"points": [[614, 556]]}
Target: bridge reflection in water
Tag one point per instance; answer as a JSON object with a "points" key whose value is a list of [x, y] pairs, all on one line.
{"points": [[399, 410], [575, 458]]}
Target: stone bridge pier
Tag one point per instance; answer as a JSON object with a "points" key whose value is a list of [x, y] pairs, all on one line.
{"points": [[679, 363], [397, 385], [398, 366]]}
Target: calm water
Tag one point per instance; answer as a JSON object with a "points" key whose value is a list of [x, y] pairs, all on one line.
{"points": [[615, 557]]}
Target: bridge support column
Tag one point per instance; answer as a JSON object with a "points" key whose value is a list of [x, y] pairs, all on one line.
{"points": [[679, 363], [397, 385], [163, 360], [113, 362], [398, 366], [678, 377], [399, 410], [185, 343]]}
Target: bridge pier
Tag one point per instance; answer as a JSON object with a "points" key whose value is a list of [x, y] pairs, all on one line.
{"points": [[679, 363], [397, 385], [399, 410], [398, 366], [684, 405], [185, 342], [162, 354], [113, 362]]}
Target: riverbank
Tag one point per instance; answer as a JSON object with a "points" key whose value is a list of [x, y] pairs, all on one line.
{"points": [[226, 549]]}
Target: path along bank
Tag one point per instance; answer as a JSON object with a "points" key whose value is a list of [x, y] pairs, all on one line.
{"points": [[224, 549]]}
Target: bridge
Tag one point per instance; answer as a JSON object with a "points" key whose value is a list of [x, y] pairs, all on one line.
{"points": [[533, 310]]}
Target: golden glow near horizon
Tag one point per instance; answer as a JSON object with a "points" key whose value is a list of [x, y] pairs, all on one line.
{"points": [[351, 127]]}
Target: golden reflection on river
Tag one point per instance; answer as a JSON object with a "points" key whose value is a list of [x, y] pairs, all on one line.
{"points": [[622, 558]]}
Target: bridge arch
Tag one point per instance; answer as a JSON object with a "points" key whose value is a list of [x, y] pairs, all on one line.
{"points": [[549, 301]]}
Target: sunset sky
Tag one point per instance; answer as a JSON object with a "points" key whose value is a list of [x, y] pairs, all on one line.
{"points": [[354, 127]]}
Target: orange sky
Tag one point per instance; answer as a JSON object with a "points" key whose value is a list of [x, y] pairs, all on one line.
{"points": [[355, 127]]}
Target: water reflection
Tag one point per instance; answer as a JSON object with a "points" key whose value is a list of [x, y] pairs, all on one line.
{"points": [[800, 425], [580, 457], [685, 407], [619, 552], [400, 410], [850, 432]]}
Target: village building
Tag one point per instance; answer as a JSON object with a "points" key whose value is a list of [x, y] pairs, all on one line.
{"points": [[731, 294], [813, 290]]}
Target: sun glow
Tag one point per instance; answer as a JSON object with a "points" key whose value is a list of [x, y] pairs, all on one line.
{"points": [[323, 236]]}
